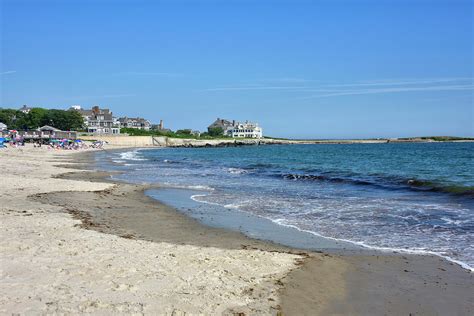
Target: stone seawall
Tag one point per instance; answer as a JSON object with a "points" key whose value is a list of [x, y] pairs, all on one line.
{"points": [[163, 141], [123, 141]]}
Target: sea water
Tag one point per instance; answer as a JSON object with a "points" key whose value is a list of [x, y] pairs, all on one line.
{"points": [[413, 197]]}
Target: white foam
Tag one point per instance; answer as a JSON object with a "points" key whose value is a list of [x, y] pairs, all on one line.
{"points": [[196, 196], [281, 221], [233, 206], [383, 249], [190, 187], [131, 155], [236, 171]]}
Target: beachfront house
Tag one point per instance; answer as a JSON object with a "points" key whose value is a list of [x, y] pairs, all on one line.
{"points": [[160, 127], [134, 122], [43, 134], [25, 109], [237, 129], [99, 121]]}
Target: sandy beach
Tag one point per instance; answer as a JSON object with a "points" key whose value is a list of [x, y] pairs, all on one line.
{"points": [[74, 242]]}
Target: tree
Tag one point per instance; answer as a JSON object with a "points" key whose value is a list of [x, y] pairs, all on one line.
{"points": [[35, 118], [64, 120], [10, 117], [184, 131], [215, 131]]}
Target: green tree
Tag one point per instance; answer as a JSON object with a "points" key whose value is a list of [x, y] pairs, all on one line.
{"points": [[184, 131], [215, 131], [36, 117], [10, 117], [64, 120]]}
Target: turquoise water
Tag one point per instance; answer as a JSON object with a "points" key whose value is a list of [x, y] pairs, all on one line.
{"points": [[416, 197]]}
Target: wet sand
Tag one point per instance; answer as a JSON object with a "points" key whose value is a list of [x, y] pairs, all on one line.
{"points": [[336, 282]]}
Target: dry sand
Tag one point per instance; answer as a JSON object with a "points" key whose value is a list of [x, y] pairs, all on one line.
{"points": [[51, 265], [167, 263]]}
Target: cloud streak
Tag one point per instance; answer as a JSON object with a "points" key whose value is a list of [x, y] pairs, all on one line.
{"points": [[359, 88], [104, 96], [139, 73], [257, 88], [399, 83], [391, 90], [8, 72]]}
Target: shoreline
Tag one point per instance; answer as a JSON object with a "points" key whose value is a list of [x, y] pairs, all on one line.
{"points": [[302, 280], [315, 244], [315, 283]]}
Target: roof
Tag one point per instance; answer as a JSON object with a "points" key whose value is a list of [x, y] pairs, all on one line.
{"points": [[49, 128], [85, 112], [25, 108], [91, 112], [221, 123], [127, 119]]}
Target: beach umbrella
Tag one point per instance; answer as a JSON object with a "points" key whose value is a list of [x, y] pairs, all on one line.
{"points": [[2, 139], [78, 141]]}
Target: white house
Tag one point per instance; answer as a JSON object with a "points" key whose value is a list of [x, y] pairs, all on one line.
{"points": [[99, 121], [246, 130], [25, 109], [237, 129]]}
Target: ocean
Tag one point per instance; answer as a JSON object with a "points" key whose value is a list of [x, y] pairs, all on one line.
{"points": [[409, 197]]}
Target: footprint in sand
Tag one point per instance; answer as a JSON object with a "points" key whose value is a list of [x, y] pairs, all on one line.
{"points": [[125, 287]]}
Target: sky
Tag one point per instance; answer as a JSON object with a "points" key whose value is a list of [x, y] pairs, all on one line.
{"points": [[301, 69]]}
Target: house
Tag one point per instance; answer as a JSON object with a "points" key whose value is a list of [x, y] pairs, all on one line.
{"points": [[221, 123], [247, 130], [99, 121], [160, 127], [3, 127], [134, 122], [25, 109], [237, 129]]}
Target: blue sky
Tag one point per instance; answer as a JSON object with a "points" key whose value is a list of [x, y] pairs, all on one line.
{"points": [[319, 69]]}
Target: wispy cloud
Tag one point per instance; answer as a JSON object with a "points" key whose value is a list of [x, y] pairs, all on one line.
{"points": [[151, 73], [326, 90], [286, 79], [391, 90], [8, 72], [401, 82], [104, 96], [243, 88]]}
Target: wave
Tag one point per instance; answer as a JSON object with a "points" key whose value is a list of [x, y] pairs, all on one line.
{"points": [[379, 248], [435, 187], [236, 171], [387, 183], [131, 155], [282, 222], [190, 187]]}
